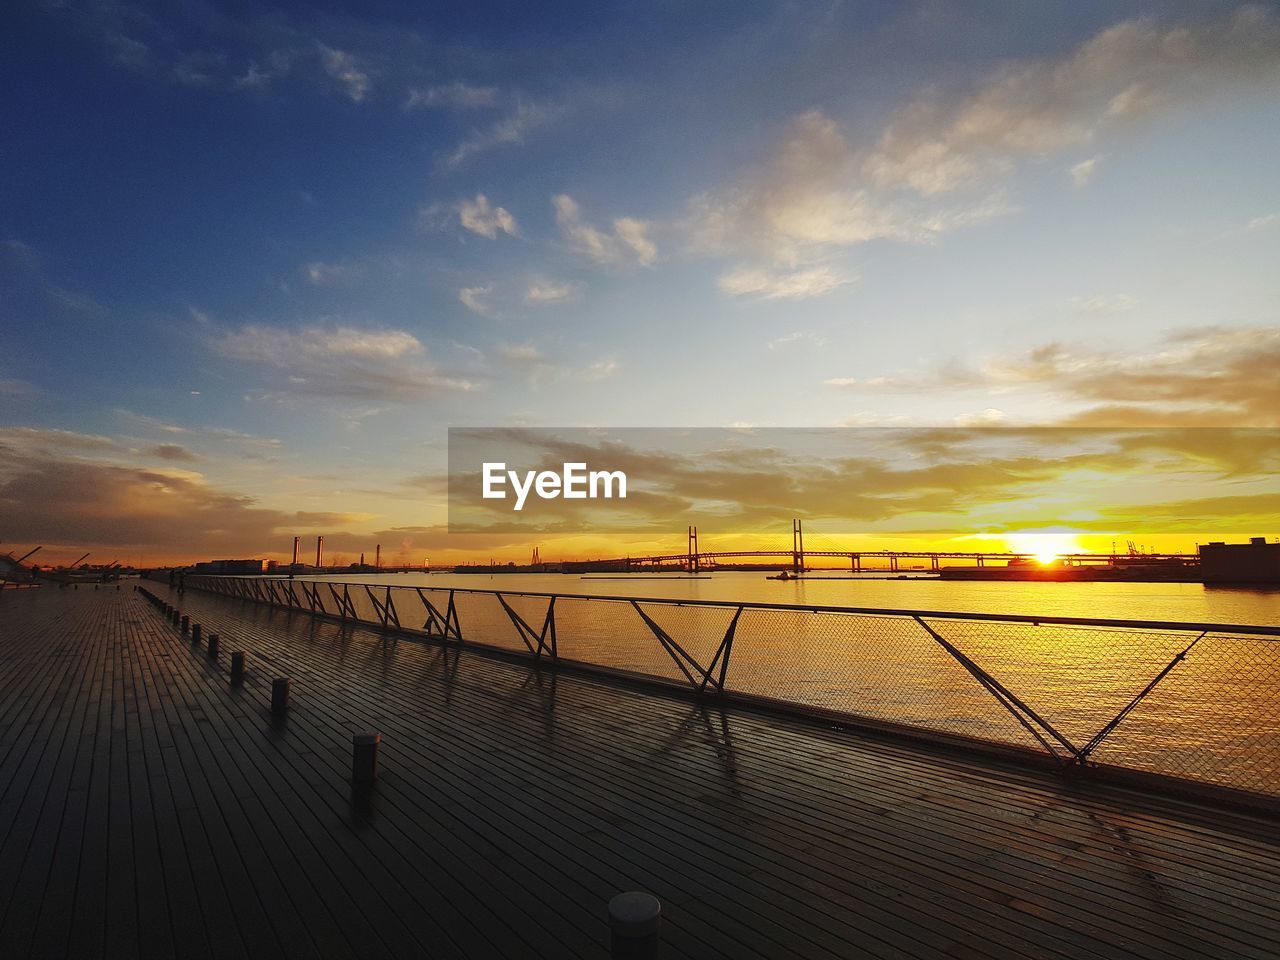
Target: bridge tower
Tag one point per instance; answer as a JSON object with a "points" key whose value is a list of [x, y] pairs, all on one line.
{"points": [[797, 546], [693, 550]]}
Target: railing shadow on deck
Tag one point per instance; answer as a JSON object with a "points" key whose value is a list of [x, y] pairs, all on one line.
{"points": [[1180, 707]]}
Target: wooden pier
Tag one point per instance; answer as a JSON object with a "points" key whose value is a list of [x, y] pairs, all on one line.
{"points": [[149, 807]]}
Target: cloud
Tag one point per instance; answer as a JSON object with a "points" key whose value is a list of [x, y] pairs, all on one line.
{"points": [[1215, 376], [1122, 74], [456, 96], [172, 452], [939, 163], [600, 370], [346, 362], [798, 336], [46, 439], [1104, 305], [13, 387], [782, 285], [811, 195], [1082, 172], [551, 291], [511, 129], [983, 476], [627, 243], [345, 69], [62, 501], [487, 221], [530, 360], [476, 299], [150, 423], [521, 354], [327, 274], [989, 417]]}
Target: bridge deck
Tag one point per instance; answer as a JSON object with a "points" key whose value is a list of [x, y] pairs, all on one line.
{"points": [[149, 809]]}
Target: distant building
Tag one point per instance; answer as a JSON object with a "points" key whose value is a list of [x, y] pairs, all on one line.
{"points": [[1254, 562], [231, 567]]}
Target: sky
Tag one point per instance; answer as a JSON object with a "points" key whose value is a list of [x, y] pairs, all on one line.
{"points": [[255, 260]]}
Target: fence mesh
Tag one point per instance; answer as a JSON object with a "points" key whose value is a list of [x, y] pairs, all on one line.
{"points": [[1212, 716]]}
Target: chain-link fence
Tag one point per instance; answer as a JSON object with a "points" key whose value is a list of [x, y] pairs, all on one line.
{"points": [[1199, 702]]}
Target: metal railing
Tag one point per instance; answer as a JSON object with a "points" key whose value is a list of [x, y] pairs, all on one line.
{"points": [[1193, 701]]}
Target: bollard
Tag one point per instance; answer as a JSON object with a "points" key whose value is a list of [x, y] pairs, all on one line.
{"points": [[237, 668], [195, 633], [175, 617], [635, 925], [280, 696], [186, 624], [364, 758], [213, 646]]}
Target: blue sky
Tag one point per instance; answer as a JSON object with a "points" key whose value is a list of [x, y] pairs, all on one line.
{"points": [[261, 258]]}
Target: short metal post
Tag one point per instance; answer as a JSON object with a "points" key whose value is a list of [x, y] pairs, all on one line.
{"points": [[279, 696], [186, 623], [364, 757], [213, 646], [195, 633], [177, 617], [635, 925], [237, 668]]}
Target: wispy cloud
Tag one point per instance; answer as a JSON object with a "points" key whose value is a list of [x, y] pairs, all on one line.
{"points": [[340, 361], [782, 285], [627, 243], [600, 369], [798, 336], [544, 292], [13, 387], [456, 96], [941, 162], [478, 299], [520, 354], [1215, 376], [526, 117], [1082, 173], [173, 452], [346, 70], [1104, 305], [1128, 71], [327, 274], [481, 218]]}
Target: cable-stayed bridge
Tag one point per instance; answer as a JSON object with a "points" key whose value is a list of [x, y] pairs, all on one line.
{"points": [[798, 558]]}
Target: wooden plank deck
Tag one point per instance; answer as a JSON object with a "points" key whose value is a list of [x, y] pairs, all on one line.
{"points": [[149, 809]]}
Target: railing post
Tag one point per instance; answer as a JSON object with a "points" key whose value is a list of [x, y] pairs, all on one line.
{"points": [[635, 925], [364, 758], [279, 696]]}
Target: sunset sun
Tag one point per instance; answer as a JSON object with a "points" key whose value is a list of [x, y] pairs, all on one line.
{"points": [[1045, 547]]}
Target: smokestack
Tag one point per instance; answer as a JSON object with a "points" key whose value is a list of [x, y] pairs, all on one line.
{"points": [[377, 562], [319, 551], [296, 542]]}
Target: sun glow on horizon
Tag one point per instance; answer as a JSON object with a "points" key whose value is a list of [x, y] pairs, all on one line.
{"points": [[1045, 547]]}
